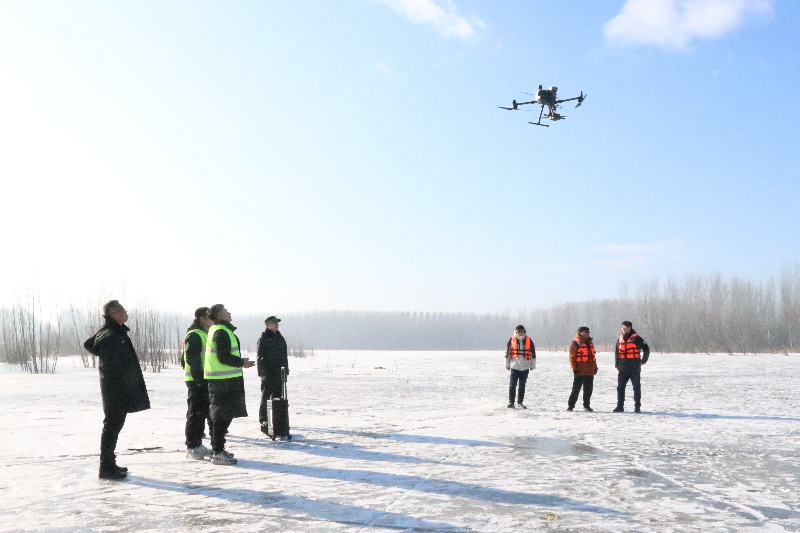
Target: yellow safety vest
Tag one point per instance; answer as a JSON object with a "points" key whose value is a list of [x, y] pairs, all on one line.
{"points": [[187, 374], [212, 368]]}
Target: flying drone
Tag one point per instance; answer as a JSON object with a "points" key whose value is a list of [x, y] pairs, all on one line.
{"points": [[546, 97]]}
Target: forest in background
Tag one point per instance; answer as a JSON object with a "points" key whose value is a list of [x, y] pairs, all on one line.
{"points": [[696, 314]]}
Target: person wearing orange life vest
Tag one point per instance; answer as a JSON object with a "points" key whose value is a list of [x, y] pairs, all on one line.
{"points": [[630, 353], [520, 360], [584, 367]]}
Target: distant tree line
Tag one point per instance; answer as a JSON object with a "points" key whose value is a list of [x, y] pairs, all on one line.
{"points": [[696, 314]]}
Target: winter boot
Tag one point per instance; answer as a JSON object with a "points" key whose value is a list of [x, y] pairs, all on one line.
{"points": [[510, 405], [222, 459], [638, 408], [570, 409], [111, 472], [588, 409], [619, 409]]}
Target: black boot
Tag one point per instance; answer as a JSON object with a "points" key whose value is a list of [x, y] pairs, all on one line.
{"points": [[638, 408], [111, 472], [619, 409]]}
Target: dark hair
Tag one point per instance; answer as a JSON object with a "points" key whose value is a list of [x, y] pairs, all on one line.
{"points": [[200, 312], [215, 310], [628, 323], [582, 329], [110, 306]]}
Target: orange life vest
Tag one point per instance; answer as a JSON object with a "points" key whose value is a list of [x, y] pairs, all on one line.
{"points": [[514, 352], [585, 352], [628, 349]]}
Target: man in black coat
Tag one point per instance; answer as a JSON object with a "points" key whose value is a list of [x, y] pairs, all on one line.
{"points": [[225, 395], [121, 383], [272, 356]]}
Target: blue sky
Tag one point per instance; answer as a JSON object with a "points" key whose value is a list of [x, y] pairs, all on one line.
{"points": [[285, 156]]}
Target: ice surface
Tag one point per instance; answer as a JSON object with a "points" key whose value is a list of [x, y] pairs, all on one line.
{"points": [[424, 443]]}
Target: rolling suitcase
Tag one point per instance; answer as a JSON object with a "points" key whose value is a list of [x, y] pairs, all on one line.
{"points": [[278, 414]]}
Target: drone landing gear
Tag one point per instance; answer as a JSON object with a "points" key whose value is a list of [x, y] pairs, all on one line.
{"points": [[539, 124]]}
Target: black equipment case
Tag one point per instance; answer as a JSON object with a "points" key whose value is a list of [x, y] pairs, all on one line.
{"points": [[278, 414]]}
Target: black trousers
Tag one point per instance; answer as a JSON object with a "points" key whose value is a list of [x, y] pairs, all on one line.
{"points": [[587, 382], [271, 387], [197, 413], [218, 430], [632, 374], [520, 376], [112, 425]]}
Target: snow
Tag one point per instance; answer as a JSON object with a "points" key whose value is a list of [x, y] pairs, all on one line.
{"points": [[424, 443]]}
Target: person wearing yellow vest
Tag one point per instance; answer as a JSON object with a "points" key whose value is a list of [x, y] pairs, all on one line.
{"points": [[197, 413], [520, 360], [630, 353], [222, 369], [584, 367]]}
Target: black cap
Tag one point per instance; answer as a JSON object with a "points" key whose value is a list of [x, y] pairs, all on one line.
{"points": [[272, 319], [519, 328]]}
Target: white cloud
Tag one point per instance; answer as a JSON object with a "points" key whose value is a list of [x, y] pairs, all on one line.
{"points": [[630, 262], [383, 69], [441, 14], [672, 24]]}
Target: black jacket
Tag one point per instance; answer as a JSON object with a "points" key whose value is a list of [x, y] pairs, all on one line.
{"points": [[121, 381], [272, 353], [632, 364], [226, 396]]}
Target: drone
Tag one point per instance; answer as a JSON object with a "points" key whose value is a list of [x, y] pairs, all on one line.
{"points": [[546, 97]]}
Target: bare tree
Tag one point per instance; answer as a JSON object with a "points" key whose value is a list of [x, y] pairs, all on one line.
{"points": [[31, 339]]}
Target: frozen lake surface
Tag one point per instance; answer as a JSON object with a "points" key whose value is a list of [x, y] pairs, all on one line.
{"points": [[422, 441]]}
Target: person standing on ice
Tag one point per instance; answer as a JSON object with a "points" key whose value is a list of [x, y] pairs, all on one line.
{"points": [[584, 367], [520, 360], [630, 353], [272, 356], [222, 369], [121, 383], [194, 351]]}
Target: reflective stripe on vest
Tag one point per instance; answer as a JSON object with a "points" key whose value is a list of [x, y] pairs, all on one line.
{"points": [[585, 352], [628, 349], [515, 352], [212, 368], [187, 371]]}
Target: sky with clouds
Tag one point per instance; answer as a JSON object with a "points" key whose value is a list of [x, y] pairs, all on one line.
{"points": [[286, 156]]}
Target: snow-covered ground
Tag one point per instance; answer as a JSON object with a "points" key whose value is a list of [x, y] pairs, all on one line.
{"points": [[422, 441]]}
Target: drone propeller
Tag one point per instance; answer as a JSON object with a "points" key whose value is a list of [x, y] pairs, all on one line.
{"points": [[581, 98]]}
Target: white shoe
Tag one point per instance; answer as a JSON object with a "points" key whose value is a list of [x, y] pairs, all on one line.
{"points": [[207, 452], [222, 459], [226, 453], [195, 453]]}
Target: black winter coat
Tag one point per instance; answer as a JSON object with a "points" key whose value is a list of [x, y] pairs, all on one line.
{"points": [[272, 353], [226, 396], [121, 381]]}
